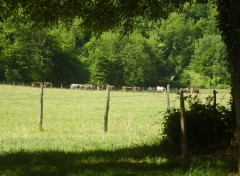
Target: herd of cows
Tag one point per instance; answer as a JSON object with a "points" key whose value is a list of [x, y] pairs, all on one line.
{"points": [[38, 84], [160, 89]]}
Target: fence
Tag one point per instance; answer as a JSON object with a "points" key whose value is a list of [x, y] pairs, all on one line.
{"points": [[183, 123], [123, 107], [24, 101]]}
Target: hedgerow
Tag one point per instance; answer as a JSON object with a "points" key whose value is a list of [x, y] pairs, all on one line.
{"points": [[200, 126]]}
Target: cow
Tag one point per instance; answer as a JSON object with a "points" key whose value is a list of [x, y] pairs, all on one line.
{"points": [[136, 89], [73, 86], [100, 87], [195, 90], [160, 89], [126, 88], [89, 87], [111, 87], [47, 84], [77, 86], [35, 84], [151, 89], [185, 90]]}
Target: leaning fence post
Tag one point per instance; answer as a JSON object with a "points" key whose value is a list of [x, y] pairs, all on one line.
{"points": [[183, 126], [41, 108], [107, 109]]}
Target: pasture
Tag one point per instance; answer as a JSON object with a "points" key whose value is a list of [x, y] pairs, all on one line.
{"points": [[73, 141]]}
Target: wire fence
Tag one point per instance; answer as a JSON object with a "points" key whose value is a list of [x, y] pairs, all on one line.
{"points": [[121, 103], [148, 104]]}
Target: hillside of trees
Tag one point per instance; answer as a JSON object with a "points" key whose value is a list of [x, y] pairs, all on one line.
{"points": [[187, 46]]}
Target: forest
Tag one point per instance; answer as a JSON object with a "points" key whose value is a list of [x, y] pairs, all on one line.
{"points": [[186, 49]]}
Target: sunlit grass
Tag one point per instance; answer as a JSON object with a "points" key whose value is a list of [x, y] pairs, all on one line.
{"points": [[78, 117], [73, 141]]}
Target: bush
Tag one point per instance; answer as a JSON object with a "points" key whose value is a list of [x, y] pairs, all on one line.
{"points": [[199, 126]]}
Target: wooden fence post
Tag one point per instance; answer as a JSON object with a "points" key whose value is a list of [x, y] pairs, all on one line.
{"points": [[107, 109], [168, 99], [41, 108], [215, 116], [183, 127]]}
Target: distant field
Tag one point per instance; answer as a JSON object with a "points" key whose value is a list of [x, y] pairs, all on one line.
{"points": [[73, 120], [77, 116]]}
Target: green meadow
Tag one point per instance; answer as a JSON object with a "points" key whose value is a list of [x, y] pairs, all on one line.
{"points": [[73, 141]]}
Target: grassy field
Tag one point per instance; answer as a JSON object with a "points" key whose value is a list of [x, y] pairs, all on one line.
{"points": [[73, 141]]}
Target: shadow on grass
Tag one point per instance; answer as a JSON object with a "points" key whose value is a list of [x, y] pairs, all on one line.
{"points": [[142, 160]]}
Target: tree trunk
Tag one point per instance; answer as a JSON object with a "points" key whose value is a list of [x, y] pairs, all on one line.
{"points": [[232, 39], [236, 95]]}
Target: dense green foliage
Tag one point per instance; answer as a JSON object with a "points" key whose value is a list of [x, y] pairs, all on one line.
{"points": [[208, 128], [187, 45], [97, 15]]}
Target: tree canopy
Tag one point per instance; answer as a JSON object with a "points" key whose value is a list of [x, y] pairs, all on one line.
{"points": [[97, 15], [149, 56]]}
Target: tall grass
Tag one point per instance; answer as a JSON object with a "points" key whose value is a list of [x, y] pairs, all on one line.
{"points": [[73, 141], [73, 119]]}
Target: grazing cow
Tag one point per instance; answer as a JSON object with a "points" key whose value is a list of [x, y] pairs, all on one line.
{"points": [[73, 86], [111, 87], [126, 88], [35, 84], [101, 88], [47, 84], [151, 89], [160, 89], [76, 86], [136, 89], [195, 90], [81, 86], [186, 90], [89, 87]]}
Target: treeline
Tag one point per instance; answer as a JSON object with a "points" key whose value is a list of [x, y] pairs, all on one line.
{"points": [[186, 50]]}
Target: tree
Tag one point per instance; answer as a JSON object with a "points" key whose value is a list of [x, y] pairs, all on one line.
{"points": [[26, 53], [101, 15], [103, 59], [209, 60], [117, 60]]}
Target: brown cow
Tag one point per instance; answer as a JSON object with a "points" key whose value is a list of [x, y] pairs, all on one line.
{"points": [[35, 84], [195, 90], [185, 90]]}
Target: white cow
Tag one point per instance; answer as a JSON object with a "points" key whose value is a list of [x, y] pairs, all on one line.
{"points": [[73, 86], [77, 86], [160, 89]]}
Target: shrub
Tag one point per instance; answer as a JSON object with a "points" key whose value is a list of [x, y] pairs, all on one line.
{"points": [[199, 126]]}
